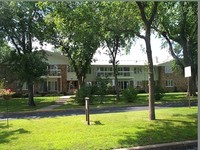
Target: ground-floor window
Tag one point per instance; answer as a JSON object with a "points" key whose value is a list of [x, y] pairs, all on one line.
{"points": [[123, 84], [52, 85], [169, 83]]}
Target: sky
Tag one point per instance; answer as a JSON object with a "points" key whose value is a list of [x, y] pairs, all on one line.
{"points": [[137, 51]]}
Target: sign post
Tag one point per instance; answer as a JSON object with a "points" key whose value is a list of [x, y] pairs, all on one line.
{"points": [[87, 110], [188, 75]]}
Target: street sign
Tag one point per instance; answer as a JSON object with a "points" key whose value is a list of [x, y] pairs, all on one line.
{"points": [[188, 71]]}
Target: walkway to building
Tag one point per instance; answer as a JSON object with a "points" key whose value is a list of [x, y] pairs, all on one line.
{"points": [[58, 103]]}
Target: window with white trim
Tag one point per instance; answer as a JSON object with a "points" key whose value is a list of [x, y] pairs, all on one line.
{"points": [[168, 69], [169, 83], [52, 86]]}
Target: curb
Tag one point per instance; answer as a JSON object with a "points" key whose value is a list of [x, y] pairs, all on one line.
{"points": [[184, 145]]}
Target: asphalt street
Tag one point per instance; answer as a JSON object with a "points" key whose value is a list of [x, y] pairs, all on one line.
{"points": [[73, 112]]}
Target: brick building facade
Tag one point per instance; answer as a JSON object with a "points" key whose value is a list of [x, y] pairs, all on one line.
{"points": [[61, 78]]}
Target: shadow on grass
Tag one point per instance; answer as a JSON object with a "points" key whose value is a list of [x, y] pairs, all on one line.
{"points": [[8, 134], [98, 123], [162, 131]]}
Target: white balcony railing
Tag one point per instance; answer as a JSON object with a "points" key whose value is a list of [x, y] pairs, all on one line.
{"points": [[54, 72]]}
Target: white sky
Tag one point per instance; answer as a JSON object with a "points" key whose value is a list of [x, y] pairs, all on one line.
{"points": [[137, 51]]}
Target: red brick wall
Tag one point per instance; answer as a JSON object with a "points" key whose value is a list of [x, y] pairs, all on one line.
{"points": [[180, 82]]}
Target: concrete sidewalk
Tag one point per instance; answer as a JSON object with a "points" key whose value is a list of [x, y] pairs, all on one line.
{"points": [[58, 103], [184, 145]]}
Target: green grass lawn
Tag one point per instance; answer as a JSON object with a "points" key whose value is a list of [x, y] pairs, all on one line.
{"points": [[21, 104], [107, 131], [141, 100]]}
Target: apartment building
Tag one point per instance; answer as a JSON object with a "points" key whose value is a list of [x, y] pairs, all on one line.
{"points": [[61, 77]]}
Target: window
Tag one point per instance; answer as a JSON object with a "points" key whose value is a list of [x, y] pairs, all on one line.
{"points": [[52, 86], [169, 83], [137, 70], [25, 86], [123, 84], [168, 69], [124, 71], [104, 72]]}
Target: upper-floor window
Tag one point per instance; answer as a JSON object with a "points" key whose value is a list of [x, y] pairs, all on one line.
{"points": [[168, 69], [124, 71], [53, 70], [137, 70]]}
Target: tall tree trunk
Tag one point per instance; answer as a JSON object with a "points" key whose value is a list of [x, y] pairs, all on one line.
{"points": [[30, 94], [187, 62], [115, 71], [151, 77], [80, 81], [147, 38]]}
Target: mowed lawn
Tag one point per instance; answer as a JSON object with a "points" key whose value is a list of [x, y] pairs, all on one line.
{"points": [[21, 104], [107, 131]]}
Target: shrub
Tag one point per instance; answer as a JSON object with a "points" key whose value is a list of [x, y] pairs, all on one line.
{"points": [[101, 88], [129, 94], [17, 95], [84, 91], [159, 93]]}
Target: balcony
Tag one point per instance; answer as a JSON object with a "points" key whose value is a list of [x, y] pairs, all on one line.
{"points": [[110, 73], [54, 72]]}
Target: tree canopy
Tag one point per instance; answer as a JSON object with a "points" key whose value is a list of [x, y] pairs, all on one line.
{"points": [[178, 23], [21, 24], [76, 32]]}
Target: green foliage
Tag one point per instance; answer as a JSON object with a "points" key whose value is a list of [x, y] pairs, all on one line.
{"points": [[4, 52], [159, 93], [1, 84], [29, 66], [22, 24], [77, 28], [101, 88], [130, 94], [84, 91]]}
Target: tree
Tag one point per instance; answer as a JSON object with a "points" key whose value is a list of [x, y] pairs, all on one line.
{"points": [[148, 11], [76, 32], [116, 22], [22, 24], [180, 26], [4, 51]]}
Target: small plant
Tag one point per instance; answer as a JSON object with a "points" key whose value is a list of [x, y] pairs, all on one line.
{"points": [[159, 93], [6, 93], [130, 94]]}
